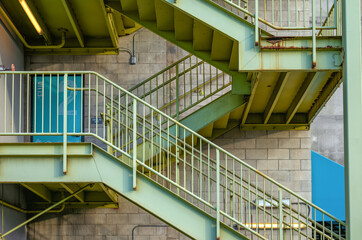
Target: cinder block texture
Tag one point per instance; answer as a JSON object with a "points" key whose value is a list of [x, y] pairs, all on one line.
{"points": [[283, 155]]}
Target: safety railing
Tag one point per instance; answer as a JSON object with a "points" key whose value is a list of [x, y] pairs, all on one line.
{"points": [[178, 89], [289, 17], [43, 104]]}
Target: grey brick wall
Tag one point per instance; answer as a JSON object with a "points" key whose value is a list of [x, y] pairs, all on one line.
{"points": [[283, 155]]}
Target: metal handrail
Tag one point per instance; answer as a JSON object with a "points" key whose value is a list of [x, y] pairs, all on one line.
{"points": [[181, 160], [181, 86], [243, 11]]}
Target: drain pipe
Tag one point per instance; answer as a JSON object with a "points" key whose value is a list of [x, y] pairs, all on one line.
{"points": [[13, 27], [145, 226]]}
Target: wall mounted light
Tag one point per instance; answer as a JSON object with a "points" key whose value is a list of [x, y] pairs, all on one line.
{"points": [[31, 17]]}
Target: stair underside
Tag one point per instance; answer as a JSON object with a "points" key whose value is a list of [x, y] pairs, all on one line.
{"points": [[42, 169]]}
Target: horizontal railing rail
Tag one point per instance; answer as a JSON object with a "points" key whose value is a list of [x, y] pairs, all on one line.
{"points": [[180, 87], [289, 17], [65, 106]]}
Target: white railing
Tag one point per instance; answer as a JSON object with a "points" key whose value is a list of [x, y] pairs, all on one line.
{"points": [[162, 149]]}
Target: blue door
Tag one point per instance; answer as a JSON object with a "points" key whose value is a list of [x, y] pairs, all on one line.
{"points": [[48, 103]]}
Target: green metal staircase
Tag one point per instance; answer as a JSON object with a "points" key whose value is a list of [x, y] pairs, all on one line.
{"points": [[202, 190]]}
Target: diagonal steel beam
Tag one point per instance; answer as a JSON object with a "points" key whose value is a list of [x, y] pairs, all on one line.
{"points": [[73, 22], [42, 212], [298, 99], [328, 90], [108, 16], [282, 80], [254, 83], [112, 195], [72, 188], [39, 190]]}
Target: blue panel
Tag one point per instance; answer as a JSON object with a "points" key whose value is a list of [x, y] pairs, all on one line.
{"points": [[328, 186], [48, 108]]}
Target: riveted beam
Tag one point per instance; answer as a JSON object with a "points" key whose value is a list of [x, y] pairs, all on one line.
{"points": [[327, 92], [39, 190], [254, 83], [73, 51], [274, 127], [108, 16], [45, 32], [111, 194], [282, 80], [72, 188], [73, 22], [298, 99]]}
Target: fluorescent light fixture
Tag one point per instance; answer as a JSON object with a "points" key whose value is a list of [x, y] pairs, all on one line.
{"points": [[31, 17]]}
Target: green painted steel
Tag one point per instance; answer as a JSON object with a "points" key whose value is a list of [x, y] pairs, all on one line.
{"points": [[213, 111], [352, 116], [104, 168], [247, 57], [194, 179]]}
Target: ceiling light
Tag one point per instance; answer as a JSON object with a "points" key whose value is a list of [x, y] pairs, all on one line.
{"points": [[31, 17]]}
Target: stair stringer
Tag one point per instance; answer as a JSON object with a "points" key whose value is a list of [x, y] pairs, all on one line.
{"points": [[249, 58], [104, 168]]}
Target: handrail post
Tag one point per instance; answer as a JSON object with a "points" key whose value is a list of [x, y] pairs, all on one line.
{"points": [[314, 40], [217, 194], [134, 168], [177, 93], [110, 128], [256, 22], [65, 127], [281, 214]]}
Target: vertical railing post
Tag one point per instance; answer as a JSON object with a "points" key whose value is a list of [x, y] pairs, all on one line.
{"points": [[108, 124], [256, 22], [352, 113], [280, 214], [134, 168], [217, 194], [177, 94], [314, 40], [65, 127]]}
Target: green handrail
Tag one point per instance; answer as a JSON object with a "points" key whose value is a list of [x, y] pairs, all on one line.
{"points": [[179, 159]]}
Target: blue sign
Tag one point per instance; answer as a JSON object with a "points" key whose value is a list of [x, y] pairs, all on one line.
{"points": [[48, 105]]}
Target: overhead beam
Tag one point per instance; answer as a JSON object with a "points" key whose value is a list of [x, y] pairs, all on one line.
{"points": [[282, 80], [298, 99], [73, 22], [46, 34], [39, 190], [72, 188], [331, 86], [254, 86], [108, 16]]}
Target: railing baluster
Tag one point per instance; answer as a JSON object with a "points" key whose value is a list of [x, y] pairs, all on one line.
{"points": [[177, 94], [314, 40], [256, 22], [217, 194], [65, 116], [134, 144], [280, 206]]}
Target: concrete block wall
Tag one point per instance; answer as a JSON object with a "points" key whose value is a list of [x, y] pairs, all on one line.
{"points": [[102, 224], [283, 155], [327, 129]]}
